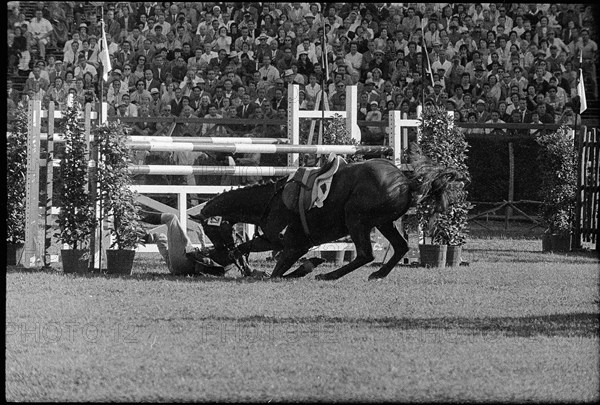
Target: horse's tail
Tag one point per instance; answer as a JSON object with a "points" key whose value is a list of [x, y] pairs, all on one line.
{"points": [[432, 182]]}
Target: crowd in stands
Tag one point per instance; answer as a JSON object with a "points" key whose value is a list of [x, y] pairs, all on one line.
{"points": [[489, 62]]}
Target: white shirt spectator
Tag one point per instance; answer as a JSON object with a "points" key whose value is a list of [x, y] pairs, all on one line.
{"points": [[67, 46], [79, 71], [39, 28]]}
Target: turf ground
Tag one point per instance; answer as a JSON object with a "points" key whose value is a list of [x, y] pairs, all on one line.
{"points": [[515, 325]]}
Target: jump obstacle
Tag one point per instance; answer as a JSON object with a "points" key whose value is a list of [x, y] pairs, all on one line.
{"points": [[35, 253]]}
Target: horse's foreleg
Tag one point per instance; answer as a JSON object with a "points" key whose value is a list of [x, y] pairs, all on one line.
{"points": [[286, 260], [256, 245], [399, 244], [361, 236]]}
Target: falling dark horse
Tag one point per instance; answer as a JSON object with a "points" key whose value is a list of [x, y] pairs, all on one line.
{"points": [[363, 195]]}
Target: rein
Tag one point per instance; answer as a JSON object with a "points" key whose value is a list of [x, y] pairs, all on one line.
{"points": [[264, 215]]}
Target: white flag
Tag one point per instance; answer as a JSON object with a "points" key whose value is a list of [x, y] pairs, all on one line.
{"points": [[104, 58], [581, 87], [581, 93]]}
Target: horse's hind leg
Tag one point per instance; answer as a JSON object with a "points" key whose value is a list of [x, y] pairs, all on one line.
{"points": [[361, 236], [399, 245]]}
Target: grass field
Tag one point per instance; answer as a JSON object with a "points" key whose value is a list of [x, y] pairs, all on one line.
{"points": [[515, 325]]}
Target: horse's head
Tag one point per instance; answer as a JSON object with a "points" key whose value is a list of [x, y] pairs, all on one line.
{"points": [[218, 229], [443, 186]]}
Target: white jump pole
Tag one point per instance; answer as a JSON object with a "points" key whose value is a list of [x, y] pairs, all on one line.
{"points": [[257, 148]]}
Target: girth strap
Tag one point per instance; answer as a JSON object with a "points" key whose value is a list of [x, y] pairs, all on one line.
{"points": [[302, 209]]}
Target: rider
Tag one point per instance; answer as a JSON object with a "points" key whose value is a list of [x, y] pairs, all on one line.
{"points": [[181, 256]]}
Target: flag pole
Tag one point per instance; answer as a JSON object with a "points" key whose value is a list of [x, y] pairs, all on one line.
{"points": [[100, 121], [425, 54], [325, 74]]}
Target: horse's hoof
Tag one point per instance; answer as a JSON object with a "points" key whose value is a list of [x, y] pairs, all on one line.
{"points": [[375, 276], [323, 277]]}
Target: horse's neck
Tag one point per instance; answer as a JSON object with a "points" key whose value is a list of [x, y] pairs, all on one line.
{"points": [[247, 204]]}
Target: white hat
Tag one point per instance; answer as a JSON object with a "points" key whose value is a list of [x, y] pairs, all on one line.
{"points": [[288, 72]]}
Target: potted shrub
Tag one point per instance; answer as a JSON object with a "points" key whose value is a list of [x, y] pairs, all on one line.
{"points": [[76, 219], [558, 188], [444, 144], [117, 200], [16, 173]]}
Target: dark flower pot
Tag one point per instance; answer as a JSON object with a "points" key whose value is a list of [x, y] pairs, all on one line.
{"points": [[453, 254], [119, 261], [552, 242], [546, 242], [560, 243], [433, 255], [14, 252], [75, 260]]}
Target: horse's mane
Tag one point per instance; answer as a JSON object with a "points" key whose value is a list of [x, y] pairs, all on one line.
{"points": [[259, 184], [428, 179]]}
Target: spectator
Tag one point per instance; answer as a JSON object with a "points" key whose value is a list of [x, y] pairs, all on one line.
{"points": [[140, 93], [136, 39], [494, 118], [147, 50], [589, 52], [41, 31], [543, 115], [168, 93], [126, 109], [144, 127], [127, 22], [36, 78], [18, 49], [112, 27], [212, 129], [222, 41], [57, 93], [177, 102], [373, 135], [116, 92], [158, 38], [480, 111]]}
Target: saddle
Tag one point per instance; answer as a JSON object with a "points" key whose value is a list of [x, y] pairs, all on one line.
{"points": [[308, 187]]}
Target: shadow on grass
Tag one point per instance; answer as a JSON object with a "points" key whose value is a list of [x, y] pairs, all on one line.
{"points": [[146, 275], [557, 325]]}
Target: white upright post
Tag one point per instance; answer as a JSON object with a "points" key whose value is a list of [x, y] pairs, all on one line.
{"points": [[294, 122], [182, 203], [395, 132], [419, 112], [352, 113], [31, 251]]}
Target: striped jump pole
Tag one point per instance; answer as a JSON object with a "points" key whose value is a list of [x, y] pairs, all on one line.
{"points": [[252, 148], [187, 139], [237, 171]]}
